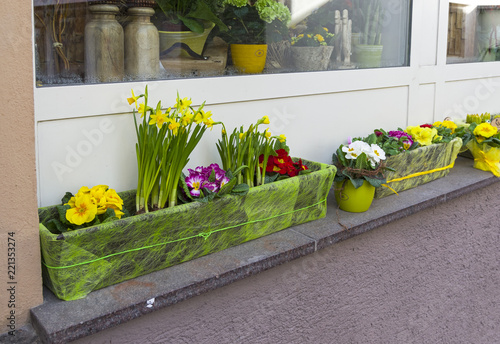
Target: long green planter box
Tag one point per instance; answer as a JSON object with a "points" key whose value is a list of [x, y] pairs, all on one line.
{"points": [[421, 160], [78, 262]]}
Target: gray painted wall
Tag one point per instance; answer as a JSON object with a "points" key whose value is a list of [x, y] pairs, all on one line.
{"points": [[433, 277]]}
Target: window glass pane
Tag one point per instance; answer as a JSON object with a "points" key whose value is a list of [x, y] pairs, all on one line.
{"points": [[473, 31], [81, 41]]}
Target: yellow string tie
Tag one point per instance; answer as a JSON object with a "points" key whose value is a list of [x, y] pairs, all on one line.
{"points": [[417, 175]]}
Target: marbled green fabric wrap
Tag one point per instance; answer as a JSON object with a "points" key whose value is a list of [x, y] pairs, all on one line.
{"points": [[163, 238], [419, 160]]}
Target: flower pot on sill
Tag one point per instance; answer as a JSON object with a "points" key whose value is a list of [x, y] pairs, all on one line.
{"points": [[195, 41], [486, 158], [367, 56], [351, 199], [306, 59], [78, 262], [249, 58], [419, 166]]}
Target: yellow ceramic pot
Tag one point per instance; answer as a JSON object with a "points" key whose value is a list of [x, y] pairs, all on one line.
{"points": [[354, 200], [249, 58], [195, 41]]}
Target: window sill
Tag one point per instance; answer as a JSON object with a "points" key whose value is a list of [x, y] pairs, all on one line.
{"points": [[59, 321]]}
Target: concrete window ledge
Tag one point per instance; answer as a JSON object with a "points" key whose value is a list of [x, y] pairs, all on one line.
{"points": [[57, 321]]}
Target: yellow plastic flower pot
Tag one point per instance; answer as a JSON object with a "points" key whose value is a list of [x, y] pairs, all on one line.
{"points": [[249, 58], [354, 200]]}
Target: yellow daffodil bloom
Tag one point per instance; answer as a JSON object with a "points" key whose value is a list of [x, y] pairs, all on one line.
{"points": [[282, 138], [485, 130], [183, 103], [265, 120], [159, 119], [84, 211], [141, 110], [267, 133], [174, 126], [242, 135], [133, 99], [187, 118], [209, 122]]}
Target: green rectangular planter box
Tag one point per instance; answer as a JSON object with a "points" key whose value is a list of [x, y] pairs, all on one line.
{"points": [[421, 160], [78, 262]]}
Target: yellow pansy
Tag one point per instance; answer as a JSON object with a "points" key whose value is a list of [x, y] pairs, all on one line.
{"points": [[84, 211], [98, 193], [114, 202], [319, 38], [447, 124], [485, 130], [423, 136]]}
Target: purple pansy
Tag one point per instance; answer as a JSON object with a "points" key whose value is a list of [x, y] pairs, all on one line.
{"points": [[195, 181], [199, 178], [407, 143]]}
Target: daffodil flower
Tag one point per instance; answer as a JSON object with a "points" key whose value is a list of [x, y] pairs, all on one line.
{"points": [[209, 122], [133, 99], [267, 134], [265, 120], [187, 118], [183, 103], [141, 109], [282, 138], [174, 126], [158, 119]]}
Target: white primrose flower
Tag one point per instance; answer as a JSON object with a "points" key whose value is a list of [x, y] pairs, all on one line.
{"points": [[355, 149], [375, 155]]}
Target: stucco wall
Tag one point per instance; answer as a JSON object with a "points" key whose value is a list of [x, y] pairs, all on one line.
{"points": [[430, 278], [18, 211]]}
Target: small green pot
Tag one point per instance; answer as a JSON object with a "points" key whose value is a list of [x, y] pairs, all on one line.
{"points": [[351, 199]]}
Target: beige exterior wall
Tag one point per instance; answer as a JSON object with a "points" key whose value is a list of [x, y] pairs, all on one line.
{"points": [[18, 213]]}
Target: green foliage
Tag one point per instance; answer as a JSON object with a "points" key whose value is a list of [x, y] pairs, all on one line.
{"points": [[263, 22], [191, 13]]}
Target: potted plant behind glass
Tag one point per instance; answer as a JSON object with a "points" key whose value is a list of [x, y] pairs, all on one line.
{"points": [[367, 49], [186, 24], [360, 168], [312, 49], [250, 24]]}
